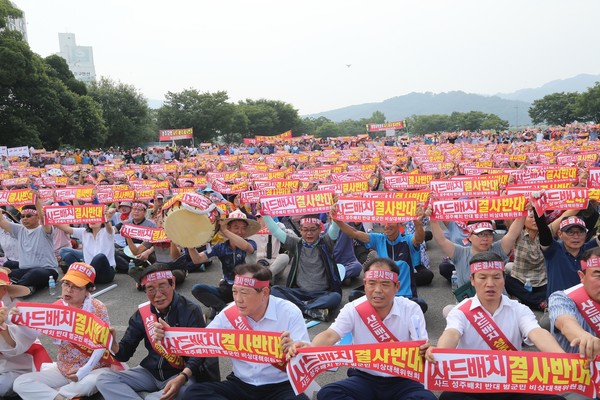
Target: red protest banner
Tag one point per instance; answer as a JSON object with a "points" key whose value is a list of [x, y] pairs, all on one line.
{"points": [[365, 209], [152, 235], [479, 209], [66, 323], [297, 203], [86, 214]]}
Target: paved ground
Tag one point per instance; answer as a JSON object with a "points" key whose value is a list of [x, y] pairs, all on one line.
{"points": [[123, 300]]}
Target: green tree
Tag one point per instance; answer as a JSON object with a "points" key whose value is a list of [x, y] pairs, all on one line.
{"points": [[555, 109], [8, 10], [270, 117], [125, 112], [60, 69], [422, 124], [588, 104], [209, 114]]}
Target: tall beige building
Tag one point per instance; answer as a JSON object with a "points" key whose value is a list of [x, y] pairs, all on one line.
{"points": [[17, 24], [79, 58]]}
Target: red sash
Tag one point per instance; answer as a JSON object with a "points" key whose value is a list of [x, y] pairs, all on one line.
{"points": [[375, 325], [39, 355], [588, 308], [240, 322], [486, 327], [148, 318]]}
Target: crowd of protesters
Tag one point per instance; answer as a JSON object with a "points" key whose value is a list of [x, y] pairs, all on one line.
{"points": [[501, 269]]}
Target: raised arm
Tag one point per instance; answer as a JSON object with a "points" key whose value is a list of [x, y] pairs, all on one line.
{"points": [[39, 206], [65, 228], [352, 232], [509, 240], [274, 228]]}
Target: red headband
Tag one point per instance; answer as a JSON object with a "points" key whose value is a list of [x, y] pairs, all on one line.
{"points": [[590, 263], [480, 225], [380, 275], [29, 211], [484, 265], [246, 281], [310, 221], [157, 276]]}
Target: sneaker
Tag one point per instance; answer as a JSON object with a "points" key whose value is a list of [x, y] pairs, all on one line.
{"points": [[318, 313], [210, 314]]}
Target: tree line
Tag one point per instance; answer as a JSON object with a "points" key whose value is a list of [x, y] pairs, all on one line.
{"points": [[43, 105]]}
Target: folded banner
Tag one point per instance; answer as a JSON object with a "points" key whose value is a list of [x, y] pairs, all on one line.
{"points": [[84, 193], [253, 346], [110, 195], [87, 214], [478, 371], [19, 197], [254, 196], [561, 199], [365, 209], [297, 203], [152, 235], [357, 186], [479, 209], [65, 323], [394, 358]]}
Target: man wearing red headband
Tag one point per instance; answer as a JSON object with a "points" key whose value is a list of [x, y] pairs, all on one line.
{"points": [[254, 309], [377, 317], [37, 262], [313, 283], [492, 321], [574, 312], [159, 372]]}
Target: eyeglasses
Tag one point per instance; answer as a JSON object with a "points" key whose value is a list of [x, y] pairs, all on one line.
{"points": [[68, 286], [309, 230], [575, 232], [163, 288], [484, 234]]}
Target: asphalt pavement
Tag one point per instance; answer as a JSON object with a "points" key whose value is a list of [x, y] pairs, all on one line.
{"points": [[122, 301]]}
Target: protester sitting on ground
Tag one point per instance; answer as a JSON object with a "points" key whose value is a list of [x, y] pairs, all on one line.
{"points": [[37, 262], [268, 249], [160, 374], [572, 310], [236, 250], [98, 248], [167, 254], [137, 217], [253, 304], [343, 253], [401, 248], [9, 244], [77, 368], [313, 282], [19, 352], [379, 316], [563, 258], [529, 265], [481, 237], [508, 324]]}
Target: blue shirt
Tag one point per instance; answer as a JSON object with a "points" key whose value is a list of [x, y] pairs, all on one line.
{"points": [[562, 267], [404, 254], [229, 257], [560, 304]]}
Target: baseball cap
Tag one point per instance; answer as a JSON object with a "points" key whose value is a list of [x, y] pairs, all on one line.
{"points": [[480, 227], [80, 274], [570, 222]]}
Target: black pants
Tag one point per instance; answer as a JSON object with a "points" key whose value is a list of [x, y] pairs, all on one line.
{"points": [[37, 277], [423, 275], [532, 299], [234, 389]]}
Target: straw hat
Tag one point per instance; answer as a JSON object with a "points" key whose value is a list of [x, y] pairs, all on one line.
{"points": [[13, 290], [237, 215]]}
